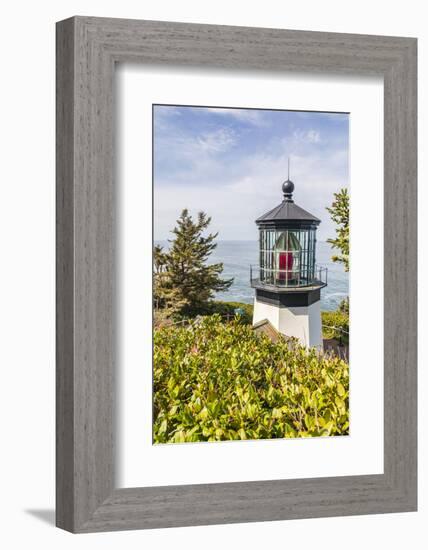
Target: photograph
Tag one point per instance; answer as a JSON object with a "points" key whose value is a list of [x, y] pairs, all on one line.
{"points": [[250, 274]]}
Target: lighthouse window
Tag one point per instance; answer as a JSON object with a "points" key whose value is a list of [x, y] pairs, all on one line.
{"points": [[287, 256], [267, 259]]}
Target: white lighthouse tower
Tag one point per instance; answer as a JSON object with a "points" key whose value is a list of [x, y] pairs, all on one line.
{"points": [[287, 281]]}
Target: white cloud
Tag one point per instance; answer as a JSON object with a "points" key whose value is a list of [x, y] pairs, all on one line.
{"points": [[313, 136], [235, 198], [234, 193], [194, 154], [249, 116], [307, 136], [218, 141]]}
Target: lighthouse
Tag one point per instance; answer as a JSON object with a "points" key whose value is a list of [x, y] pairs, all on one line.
{"points": [[287, 281]]}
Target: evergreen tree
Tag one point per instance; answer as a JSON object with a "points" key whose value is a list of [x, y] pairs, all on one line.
{"points": [[339, 212], [159, 259], [167, 299], [186, 279]]}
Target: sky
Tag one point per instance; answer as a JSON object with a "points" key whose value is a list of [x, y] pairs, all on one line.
{"points": [[231, 163]]}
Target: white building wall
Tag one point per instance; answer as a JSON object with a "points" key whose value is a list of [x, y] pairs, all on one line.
{"points": [[315, 328], [303, 323], [265, 311]]}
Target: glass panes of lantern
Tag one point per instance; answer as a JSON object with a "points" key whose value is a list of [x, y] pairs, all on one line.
{"points": [[287, 256]]}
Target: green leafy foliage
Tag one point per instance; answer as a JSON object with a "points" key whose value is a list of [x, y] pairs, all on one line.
{"points": [[339, 212], [216, 381], [230, 309], [336, 325], [344, 306]]}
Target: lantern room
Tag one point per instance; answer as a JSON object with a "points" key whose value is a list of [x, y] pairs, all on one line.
{"points": [[287, 255], [287, 246]]}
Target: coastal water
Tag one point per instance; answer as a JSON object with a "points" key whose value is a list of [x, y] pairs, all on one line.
{"points": [[237, 256]]}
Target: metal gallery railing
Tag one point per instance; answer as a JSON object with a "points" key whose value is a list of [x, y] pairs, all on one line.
{"points": [[292, 278]]}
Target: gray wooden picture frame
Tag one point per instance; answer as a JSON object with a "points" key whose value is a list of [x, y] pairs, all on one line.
{"points": [[87, 50]]}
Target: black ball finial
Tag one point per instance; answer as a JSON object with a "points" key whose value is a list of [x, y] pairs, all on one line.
{"points": [[287, 189]]}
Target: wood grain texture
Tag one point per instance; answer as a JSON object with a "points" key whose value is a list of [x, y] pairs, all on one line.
{"points": [[64, 277], [87, 49]]}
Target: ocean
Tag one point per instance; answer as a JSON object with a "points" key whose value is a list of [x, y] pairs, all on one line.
{"points": [[237, 256]]}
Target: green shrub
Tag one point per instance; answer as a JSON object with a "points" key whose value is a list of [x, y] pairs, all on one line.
{"points": [[225, 309], [217, 381], [336, 325], [344, 305]]}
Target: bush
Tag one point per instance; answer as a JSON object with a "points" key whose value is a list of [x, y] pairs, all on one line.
{"points": [[336, 325], [344, 305], [216, 381], [229, 308]]}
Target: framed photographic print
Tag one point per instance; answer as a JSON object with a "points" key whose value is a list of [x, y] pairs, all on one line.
{"points": [[236, 274]]}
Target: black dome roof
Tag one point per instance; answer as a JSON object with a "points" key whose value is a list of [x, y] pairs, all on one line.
{"points": [[287, 212]]}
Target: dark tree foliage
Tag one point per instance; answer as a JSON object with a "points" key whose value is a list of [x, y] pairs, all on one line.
{"points": [[184, 282]]}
